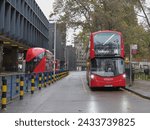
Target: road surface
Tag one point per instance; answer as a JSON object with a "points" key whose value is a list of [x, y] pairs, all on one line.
{"points": [[72, 95]]}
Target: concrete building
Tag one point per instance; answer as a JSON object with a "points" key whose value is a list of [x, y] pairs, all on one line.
{"points": [[60, 42], [71, 58], [22, 25], [80, 57]]}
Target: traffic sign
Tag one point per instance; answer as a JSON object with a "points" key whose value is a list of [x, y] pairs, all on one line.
{"points": [[134, 49]]}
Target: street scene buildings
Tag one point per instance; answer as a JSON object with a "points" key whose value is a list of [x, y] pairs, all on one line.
{"points": [[111, 76], [22, 25]]}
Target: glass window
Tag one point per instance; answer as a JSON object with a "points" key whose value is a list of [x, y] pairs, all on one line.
{"points": [[107, 67], [107, 43]]}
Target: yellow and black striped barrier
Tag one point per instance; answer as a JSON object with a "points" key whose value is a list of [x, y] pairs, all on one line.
{"points": [[49, 79], [21, 88], [52, 80], [54, 77], [4, 93], [40, 81], [58, 76], [17, 84], [32, 84], [45, 80]]}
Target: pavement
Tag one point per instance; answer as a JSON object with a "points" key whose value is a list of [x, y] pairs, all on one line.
{"points": [[141, 88]]}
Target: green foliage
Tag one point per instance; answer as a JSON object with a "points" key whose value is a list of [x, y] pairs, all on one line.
{"points": [[94, 15]]}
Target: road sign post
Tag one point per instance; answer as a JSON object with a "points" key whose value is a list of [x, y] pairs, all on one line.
{"points": [[133, 51]]}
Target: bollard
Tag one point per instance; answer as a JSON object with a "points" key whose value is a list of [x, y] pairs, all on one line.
{"points": [[4, 93], [21, 88], [32, 84], [54, 77], [40, 81], [62, 75], [49, 79], [26, 79], [17, 84], [45, 80], [59, 76], [52, 80]]}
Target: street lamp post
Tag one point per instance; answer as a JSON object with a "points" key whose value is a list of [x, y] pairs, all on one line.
{"points": [[55, 37], [66, 59], [130, 80], [55, 33]]}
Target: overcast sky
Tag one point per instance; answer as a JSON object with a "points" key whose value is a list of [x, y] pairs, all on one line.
{"points": [[46, 6]]}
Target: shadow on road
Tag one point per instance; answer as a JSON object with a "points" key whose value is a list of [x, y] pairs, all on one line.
{"points": [[106, 89]]}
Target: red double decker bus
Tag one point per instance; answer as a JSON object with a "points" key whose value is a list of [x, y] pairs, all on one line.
{"points": [[105, 64], [39, 60]]}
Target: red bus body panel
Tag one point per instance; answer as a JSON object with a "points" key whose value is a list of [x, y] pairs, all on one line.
{"points": [[92, 51], [33, 52], [98, 81], [41, 66]]}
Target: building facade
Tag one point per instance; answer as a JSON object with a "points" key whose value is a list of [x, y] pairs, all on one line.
{"points": [[22, 25], [60, 42], [71, 58], [80, 57]]}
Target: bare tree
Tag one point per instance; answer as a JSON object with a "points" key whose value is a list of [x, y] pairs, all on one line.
{"points": [[144, 12]]}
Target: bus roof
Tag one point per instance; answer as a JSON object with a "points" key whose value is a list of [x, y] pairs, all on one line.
{"points": [[103, 31], [33, 52]]}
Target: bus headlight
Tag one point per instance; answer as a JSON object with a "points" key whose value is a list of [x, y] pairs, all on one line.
{"points": [[92, 76], [124, 75]]}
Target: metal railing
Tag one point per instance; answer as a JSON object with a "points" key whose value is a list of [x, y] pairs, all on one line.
{"points": [[141, 76]]}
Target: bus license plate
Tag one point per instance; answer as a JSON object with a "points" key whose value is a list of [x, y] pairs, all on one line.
{"points": [[108, 86]]}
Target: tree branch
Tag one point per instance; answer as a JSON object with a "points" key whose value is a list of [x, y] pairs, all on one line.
{"points": [[144, 13]]}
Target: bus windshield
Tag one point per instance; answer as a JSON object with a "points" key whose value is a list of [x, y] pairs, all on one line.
{"points": [[107, 67], [107, 43]]}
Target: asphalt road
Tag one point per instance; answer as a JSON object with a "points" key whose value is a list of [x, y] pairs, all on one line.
{"points": [[72, 95]]}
